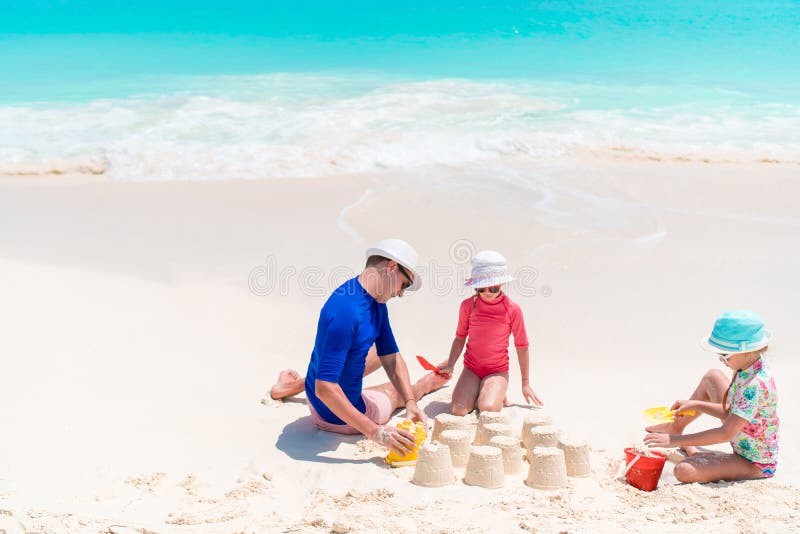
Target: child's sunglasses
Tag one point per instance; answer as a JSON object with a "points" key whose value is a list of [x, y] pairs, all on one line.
{"points": [[493, 289]]}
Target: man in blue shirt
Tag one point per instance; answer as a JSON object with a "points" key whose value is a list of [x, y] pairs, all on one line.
{"points": [[353, 334]]}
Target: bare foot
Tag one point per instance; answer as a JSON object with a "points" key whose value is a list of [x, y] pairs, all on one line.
{"points": [[289, 383], [691, 450], [662, 428], [676, 456], [429, 382]]}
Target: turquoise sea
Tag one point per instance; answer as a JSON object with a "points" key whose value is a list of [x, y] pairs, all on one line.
{"points": [[213, 90]]}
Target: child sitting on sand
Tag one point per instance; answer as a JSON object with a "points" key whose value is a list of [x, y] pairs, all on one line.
{"points": [[487, 318], [746, 406]]}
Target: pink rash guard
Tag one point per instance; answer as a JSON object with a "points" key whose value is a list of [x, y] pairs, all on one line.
{"points": [[488, 325]]}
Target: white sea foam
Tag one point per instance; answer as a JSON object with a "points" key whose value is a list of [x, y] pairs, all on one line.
{"points": [[295, 126], [342, 224]]}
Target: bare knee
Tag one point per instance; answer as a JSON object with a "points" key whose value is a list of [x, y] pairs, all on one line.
{"points": [[489, 406], [460, 409], [714, 375], [714, 384], [686, 472]]}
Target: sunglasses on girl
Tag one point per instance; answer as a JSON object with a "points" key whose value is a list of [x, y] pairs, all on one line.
{"points": [[493, 289]]}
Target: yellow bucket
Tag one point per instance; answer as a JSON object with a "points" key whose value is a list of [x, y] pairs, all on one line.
{"points": [[418, 429]]}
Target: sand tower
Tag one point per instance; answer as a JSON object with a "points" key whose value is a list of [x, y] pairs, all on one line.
{"points": [[547, 469], [485, 467], [446, 421], [530, 421], [576, 457], [434, 467], [489, 418], [512, 455], [459, 443], [542, 436]]}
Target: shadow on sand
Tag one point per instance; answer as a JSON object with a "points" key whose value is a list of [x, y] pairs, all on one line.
{"points": [[302, 440], [434, 408]]}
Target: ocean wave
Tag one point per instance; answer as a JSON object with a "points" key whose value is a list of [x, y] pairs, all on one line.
{"points": [[298, 126], [87, 166]]}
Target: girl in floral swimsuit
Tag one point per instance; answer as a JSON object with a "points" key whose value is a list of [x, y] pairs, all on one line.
{"points": [[488, 318], [747, 407]]}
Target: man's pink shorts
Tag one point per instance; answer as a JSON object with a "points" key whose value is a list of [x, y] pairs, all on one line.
{"points": [[379, 411]]}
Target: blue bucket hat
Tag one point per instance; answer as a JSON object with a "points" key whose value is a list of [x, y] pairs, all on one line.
{"points": [[737, 331]]}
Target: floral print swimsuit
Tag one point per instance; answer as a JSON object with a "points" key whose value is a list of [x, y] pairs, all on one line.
{"points": [[753, 398]]}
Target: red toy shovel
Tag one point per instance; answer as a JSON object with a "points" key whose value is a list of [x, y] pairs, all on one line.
{"points": [[428, 365]]}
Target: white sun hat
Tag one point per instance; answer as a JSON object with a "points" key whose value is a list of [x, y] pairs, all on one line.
{"points": [[401, 252], [489, 268]]}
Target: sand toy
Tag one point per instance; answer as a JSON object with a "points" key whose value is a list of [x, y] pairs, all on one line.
{"points": [[662, 414], [643, 468], [428, 366], [418, 429]]}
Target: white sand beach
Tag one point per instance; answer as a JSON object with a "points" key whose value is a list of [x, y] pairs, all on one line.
{"points": [[143, 323]]}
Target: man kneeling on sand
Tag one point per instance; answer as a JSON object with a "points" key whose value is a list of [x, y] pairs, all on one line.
{"points": [[353, 319]]}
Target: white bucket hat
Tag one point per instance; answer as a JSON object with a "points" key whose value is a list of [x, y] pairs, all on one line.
{"points": [[489, 268], [401, 252]]}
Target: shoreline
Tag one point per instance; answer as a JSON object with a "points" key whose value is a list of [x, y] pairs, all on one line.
{"points": [[93, 172]]}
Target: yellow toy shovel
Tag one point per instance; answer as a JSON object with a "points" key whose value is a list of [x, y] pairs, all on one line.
{"points": [[662, 414]]}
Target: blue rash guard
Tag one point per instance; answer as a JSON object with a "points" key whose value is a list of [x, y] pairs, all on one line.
{"points": [[350, 322]]}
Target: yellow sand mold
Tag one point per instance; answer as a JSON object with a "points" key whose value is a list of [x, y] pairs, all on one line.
{"points": [[418, 429]]}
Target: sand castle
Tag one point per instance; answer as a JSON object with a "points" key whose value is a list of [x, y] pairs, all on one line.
{"points": [[491, 451], [512, 455], [494, 417], [485, 467], [576, 457], [542, 436], [548, 469], [459, 443], [489, 418], [446, 421], [434, 467], [495, 429], [530, 421]]}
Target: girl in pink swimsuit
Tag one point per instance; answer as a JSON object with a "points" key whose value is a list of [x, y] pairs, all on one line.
{"points": [[485, 322]]}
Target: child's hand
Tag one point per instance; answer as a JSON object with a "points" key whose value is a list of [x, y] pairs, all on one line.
{"points": [[530, 396], [658, 440], [681, 405], [446, 370]]}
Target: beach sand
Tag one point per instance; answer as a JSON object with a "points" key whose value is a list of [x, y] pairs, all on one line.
{"points": [[142, 324]]}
